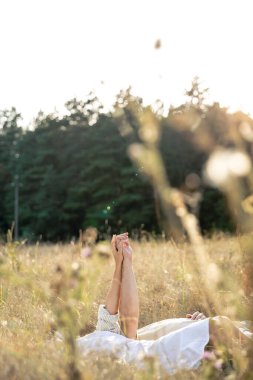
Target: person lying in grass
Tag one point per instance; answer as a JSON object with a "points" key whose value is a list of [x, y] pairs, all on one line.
{"points": [[178, 343]]}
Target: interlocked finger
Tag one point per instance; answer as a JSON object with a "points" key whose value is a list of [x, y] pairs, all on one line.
{"points": [[116, 239], [120, 246], [121, 238], [194, 315], [197, 316]]}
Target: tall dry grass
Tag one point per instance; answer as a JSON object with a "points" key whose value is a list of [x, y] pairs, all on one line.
{"points": [[52, 288]]}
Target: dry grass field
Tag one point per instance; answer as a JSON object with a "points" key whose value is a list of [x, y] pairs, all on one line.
{"points": [[44, 288]]}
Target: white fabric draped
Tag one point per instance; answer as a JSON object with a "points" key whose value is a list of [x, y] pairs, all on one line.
{"points": [[177, 343]]}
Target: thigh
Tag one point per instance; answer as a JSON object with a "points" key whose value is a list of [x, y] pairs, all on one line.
{"points": [[158, 329]]}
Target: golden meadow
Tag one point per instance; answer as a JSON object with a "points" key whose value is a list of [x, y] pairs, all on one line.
{"points": [[47, 289]]}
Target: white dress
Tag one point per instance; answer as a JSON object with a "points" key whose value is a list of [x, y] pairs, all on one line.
{"points": [[177, 343]]}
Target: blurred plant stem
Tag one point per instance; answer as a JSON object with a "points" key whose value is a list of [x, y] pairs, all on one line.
{"points": [[73, 292], [67, 286], [147, 156], [171, 199]]}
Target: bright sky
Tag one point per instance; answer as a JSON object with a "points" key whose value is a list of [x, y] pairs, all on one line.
{"points": [[54, 50]]}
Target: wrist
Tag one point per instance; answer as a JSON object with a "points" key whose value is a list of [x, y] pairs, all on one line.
{"points": [[118, 265], [127, 262], [117, 280], [117, 272]]}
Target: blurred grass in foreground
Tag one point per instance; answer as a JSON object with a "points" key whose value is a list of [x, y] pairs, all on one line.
{"points": [[229, 168], [169, 286]]}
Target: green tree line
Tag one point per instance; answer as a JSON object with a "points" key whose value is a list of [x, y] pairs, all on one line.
{"points": [[73, 170]]}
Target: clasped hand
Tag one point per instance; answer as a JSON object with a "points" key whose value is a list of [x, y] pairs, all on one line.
{"points": [[121, 248]]}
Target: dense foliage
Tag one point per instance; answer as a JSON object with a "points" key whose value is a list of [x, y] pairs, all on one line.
{"points": [[73, 170]]}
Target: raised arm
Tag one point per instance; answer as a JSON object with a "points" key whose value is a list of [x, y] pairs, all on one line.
{"points": [[129, 300], [113, 296]]}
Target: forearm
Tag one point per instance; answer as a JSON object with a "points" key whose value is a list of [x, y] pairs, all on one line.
{"points": [[129, 301], [113, 296]]}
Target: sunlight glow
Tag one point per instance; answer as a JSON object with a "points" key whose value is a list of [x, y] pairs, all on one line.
{"points": [[225, 163], [56, 50]]}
